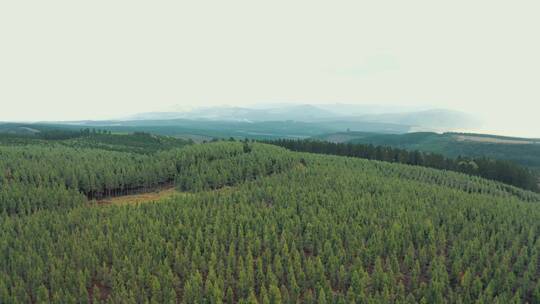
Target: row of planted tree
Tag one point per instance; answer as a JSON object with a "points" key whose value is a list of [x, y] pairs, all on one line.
{"points": [[71, 174], [500, 170]]}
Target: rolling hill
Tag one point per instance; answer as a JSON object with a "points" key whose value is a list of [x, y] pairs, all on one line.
{"points": [[524, 151], [254, 223], [187, 128]]}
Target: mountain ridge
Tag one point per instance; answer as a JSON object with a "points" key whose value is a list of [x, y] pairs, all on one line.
{"points": [[430, 119]]}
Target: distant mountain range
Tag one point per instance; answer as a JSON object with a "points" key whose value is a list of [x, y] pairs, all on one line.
{"points": [[272, 121], [305, 113], [415, 120]]}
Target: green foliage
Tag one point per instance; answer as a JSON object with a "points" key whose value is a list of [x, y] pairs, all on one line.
{"points": [[499, 170], [235, 164], [137, 142], [292, 227], [525, 152], [29, 173]]}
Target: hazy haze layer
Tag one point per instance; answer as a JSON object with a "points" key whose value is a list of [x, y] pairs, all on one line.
{"points": [[66, 60]]}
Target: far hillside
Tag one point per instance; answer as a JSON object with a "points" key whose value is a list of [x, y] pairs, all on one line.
{"points": [[200, 130], [523, 151], [136, 142]]}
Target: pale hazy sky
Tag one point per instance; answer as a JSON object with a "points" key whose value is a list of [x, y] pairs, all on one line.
{"points": [[100, 59]]}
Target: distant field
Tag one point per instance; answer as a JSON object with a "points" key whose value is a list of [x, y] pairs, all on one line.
{"points": [[497, 140], [198, 129], [194, 137], [339, 137]]}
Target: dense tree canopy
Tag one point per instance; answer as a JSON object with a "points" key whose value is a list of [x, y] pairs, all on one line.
{"points": [[495, 169], [48, 174], [284, 227], [137, 142], [523, 151]]}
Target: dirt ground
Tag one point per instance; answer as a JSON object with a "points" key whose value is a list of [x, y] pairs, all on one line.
{"points": [[140, 198]]}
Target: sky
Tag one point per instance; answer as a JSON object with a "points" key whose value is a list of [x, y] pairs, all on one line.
{"points": [[67, 60]]}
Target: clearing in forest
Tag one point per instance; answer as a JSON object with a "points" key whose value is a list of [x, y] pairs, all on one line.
{"points": [[141, 197]]}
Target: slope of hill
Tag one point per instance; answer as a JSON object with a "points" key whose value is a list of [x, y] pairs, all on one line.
{"points": [[436, 119], [288, 227], [186, 128], [523, 151], [137, 142], [500, 170]]}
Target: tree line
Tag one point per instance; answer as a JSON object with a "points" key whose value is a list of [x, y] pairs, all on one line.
{"points": [[500, 170], [73, 174]]}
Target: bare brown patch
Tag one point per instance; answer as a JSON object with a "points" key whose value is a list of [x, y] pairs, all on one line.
{"points": [[140, 198], [104, 291], [301, 166]]}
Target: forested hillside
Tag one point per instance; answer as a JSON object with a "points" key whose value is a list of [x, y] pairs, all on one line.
{"points": [[137, 142], [523, 151], [37, 173], [500, 170], [259, 224]]}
